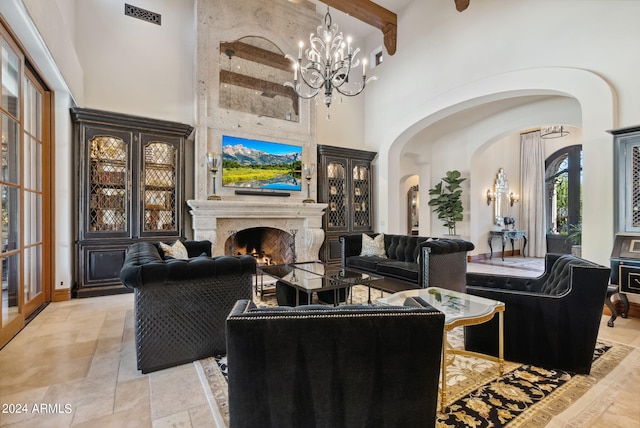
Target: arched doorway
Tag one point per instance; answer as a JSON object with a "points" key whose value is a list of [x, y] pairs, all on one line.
{"points": [[593, 112], [563, 187]]}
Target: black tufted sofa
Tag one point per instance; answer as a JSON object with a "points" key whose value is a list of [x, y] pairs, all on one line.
{"points": [[329, 367], [426, 262], [551, 321], [181, 305]]}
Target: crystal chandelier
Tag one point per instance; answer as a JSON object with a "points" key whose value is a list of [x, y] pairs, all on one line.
{"points": [[555, 131], [329, 61]]}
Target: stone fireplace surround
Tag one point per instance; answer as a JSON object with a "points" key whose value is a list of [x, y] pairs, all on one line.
{"points": [[282, 24], [217, 220]]}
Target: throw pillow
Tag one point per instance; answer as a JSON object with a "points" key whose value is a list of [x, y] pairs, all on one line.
{"points": [[373, 246], [177, 250]]}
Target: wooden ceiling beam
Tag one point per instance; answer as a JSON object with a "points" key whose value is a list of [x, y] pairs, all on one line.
{"points": [[372, 14], [461, 5]]}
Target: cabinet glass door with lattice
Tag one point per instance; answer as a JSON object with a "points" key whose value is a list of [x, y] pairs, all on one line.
{"points": [[159, 187], [361, 198], [130, 188], [337, 197], [108, 190], [345, 185]]}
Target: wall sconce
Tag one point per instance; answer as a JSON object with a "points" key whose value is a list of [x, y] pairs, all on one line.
{"points": [[307, 170], [213, 161], [513, 198], [491, 196]]}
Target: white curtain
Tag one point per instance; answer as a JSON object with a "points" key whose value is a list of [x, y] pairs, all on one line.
{"points": [[532, 197]]}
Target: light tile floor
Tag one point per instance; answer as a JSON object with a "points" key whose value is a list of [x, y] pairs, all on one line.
{"points": [[74, 365]]}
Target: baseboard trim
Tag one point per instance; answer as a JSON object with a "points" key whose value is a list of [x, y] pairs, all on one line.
{"points": [[61, 295], [634, 309]]}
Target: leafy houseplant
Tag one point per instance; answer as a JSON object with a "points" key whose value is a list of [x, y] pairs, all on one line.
{"points": [[575, 236], [446, 198]]}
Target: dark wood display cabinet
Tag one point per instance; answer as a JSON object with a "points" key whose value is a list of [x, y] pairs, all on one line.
{"points": [[345, 184], [130, 187]]}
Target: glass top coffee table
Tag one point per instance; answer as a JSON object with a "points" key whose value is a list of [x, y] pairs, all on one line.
{"points": [[459, 310], [312, 277]]}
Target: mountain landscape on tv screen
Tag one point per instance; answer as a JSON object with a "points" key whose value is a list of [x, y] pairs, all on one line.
{"points": [[247, 156], [263, 166]]}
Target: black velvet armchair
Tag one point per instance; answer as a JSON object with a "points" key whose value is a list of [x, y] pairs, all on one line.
{"points": [[334, 367], [181, 306], [551, 321]]}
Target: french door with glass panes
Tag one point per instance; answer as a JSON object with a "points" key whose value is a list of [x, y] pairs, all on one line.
{"points": [[24, 198]]}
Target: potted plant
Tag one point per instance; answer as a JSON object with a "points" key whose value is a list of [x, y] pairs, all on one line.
{"points": [[575, 236], [446, 198]]}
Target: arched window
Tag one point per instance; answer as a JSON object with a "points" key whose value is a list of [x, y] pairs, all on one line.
{"points": [[563, 178]]}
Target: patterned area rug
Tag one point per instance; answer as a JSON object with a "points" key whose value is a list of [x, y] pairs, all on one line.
{"points": [[524, 395], [476, 395]]}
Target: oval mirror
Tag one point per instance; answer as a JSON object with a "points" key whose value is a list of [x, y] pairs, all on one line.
{"points": [[413, 206], [501, 203]]}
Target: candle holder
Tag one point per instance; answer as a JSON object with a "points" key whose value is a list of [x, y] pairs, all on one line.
{"points": [[232, 238], [293, 245], [213, 161], [308, 169]]}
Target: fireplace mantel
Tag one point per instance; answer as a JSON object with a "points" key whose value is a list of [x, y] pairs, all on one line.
{"points": [[217, 220]]}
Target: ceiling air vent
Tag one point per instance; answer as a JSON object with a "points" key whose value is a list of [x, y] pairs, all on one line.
{"points": [[145, 15]]}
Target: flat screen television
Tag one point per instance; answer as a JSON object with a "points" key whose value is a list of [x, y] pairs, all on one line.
{"points": [[256, 164]]}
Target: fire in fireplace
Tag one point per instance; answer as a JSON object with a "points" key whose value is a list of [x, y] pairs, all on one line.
{"points": [[262, 259], [269, 246]]}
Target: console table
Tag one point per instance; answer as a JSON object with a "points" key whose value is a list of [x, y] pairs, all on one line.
{"points": [[512, 235]]}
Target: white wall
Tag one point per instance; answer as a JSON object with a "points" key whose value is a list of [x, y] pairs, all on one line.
{"points": [[478, 142], [91, 55], [504, 153], [57, 63], [136, 67], [447, 62], [345, 127], [55, 22]]}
